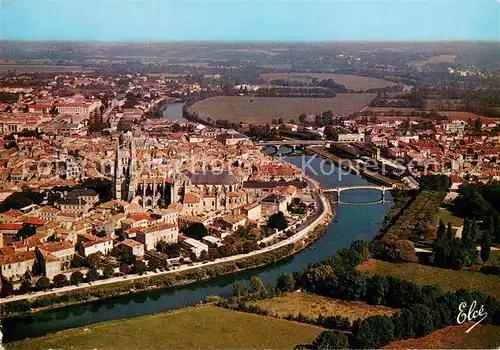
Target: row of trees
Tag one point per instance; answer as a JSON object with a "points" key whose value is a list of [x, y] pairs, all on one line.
{"points": [[455, 253], [423, 309], [481, 202]]}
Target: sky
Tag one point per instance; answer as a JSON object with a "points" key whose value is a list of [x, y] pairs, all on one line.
{"points": [[249, 20]]}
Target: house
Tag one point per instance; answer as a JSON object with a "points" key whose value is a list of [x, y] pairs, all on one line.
{"points": [[132, 247], [151, 235], [194, 246], [253, 211], [90, 244], [10, 216], [274, 203], [346, 138], [72, 205], [232, 222], [16, 264], [212, 241], [234, 138], [89, 196]]}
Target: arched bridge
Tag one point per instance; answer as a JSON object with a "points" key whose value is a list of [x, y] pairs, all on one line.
{"points": [[340, 189]]}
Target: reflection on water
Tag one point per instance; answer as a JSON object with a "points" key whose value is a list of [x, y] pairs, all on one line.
{"points": [[352, 222]]}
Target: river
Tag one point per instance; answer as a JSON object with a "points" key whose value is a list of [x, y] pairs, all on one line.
{"points": [[352, 222], [174, 111]]}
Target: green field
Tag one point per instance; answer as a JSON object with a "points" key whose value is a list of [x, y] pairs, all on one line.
{"points": [[447, 280], [447, 216], [203, 327], [264, 109], [351, 82], [313, 305]]}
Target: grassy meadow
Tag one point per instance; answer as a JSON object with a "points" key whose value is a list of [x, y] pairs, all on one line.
{"points": [[264, 109], [446, 279], [313, 305], [351, 82], [202, 327]]}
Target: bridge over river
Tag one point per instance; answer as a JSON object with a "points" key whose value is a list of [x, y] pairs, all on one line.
{"points": [[340, 189]]}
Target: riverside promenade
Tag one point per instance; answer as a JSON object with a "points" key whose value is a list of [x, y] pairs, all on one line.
{"points": [[315, 219]]}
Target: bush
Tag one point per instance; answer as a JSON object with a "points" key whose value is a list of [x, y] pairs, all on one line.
{"points": [[331, 339], [60, 280], [92, 275], [285, 282], [43, 283], [76, 278]]}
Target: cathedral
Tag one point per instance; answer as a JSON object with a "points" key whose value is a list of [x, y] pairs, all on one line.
{"points": [[132, 186], [202, 191]]}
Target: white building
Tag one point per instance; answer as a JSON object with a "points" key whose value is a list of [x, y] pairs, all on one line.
{"points": [[345, 138], [194, 246], [150, 236]]}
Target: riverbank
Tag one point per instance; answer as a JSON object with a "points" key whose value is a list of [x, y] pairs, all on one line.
{"points": [[351, 223], [26, 304], [207, 327]]}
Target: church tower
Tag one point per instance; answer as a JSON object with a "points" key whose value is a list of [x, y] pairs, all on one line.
{"points": [[125, 167]]}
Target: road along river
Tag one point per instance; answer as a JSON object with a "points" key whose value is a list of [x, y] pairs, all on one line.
{"points": [[351, 222]]}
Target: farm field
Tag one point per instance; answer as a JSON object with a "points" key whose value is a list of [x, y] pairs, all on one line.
{"points": [[264, 109], [465, 116], [433, 60], [447, 280], [454, 337], [33, 68], [351, 82], [203, 327], [312, 305]]}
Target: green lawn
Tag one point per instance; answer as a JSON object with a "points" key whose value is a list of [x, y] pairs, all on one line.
{"points": [[447, 280], [447, 216], [203, 327]]}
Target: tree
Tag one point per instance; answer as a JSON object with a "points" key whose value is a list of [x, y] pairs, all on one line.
{"points": [[441, 232], [94, 259], [277, 221], [176, 127], [124, 269], [25, 231], [7, 287], [108, 271], [43, 283], [60, 280], [53, 110], [239, 289], [92, 275], [25, 286], [256, 285], [486, 243], [203, 255], [76, 278], [331, 339], [154, 264], [196, 230], [373, 332], [422, 320], [285, 282], [377, 289], [449, 231], [478, 125], [139, 267]]}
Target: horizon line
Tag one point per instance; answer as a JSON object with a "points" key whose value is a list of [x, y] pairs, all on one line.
{"points": [[245, 41]]}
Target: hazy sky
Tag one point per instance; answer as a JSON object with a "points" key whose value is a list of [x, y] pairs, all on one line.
{"points": [[237, 20]]}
